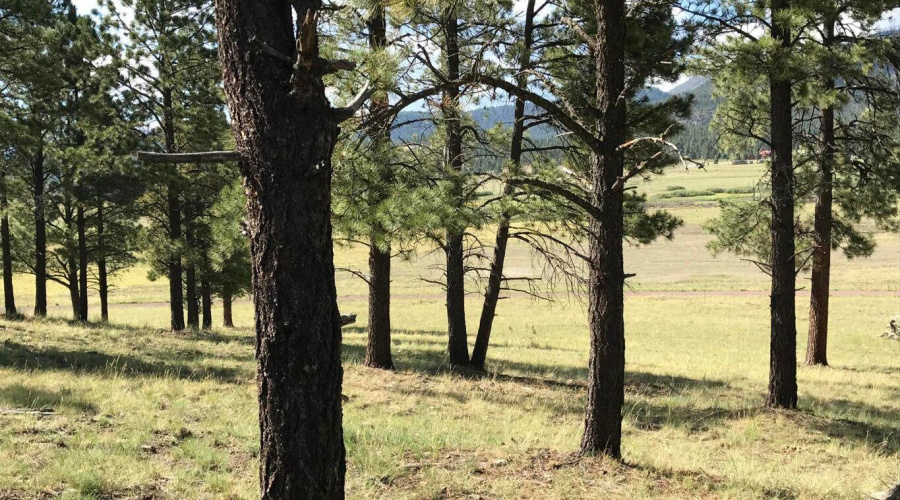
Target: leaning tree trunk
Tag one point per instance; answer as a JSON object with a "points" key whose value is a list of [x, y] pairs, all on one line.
{"points": [[9, 296], [783, 347], [456, 286], [72, 277], [606, 371], [40, 235], [495, 279], [82, 266], [206, 294], [285, 131], [102, 279], [378, 345], [817, 340], [227, 318]]}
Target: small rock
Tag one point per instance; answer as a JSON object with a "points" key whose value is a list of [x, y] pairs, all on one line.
{"points": [[149, 448], [500, 462]]}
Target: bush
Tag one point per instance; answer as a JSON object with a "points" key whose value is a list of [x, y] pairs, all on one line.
{"points": [[686, 193], [674, 188], [734, 190]]}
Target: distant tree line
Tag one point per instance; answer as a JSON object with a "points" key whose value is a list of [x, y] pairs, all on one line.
{"points": [[80, 94]]}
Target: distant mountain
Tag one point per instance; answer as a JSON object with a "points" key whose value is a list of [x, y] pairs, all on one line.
{"points": [[690, 85], [696, 141], [416, 124]]}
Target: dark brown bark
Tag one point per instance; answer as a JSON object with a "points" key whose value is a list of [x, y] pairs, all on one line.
{"points": [[72, 276], [206, 295], [783, 347], [193, 297], [817, 340], [40, 234], [456, 287], [285, 130], [9, 296], [495, 279], [378, 345], [82, 265], [227, 319], [102, 278], [606, 371], [173, 200]]}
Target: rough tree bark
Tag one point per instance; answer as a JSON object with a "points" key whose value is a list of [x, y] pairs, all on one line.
{"points": [[817, 340], [206, 294], [606, 371], [102, 278], [456, 288], [82, 265], [9, 296], [40, 234], [285, 130], [783, 347], [173, 201], [495, 279], [227, 319], [378, 345]]}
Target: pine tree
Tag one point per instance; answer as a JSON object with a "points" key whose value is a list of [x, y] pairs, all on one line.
{"points": [[285, 130], [169, 66]]}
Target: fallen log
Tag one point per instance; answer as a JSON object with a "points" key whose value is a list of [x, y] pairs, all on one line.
{"points": [[27, 411]]}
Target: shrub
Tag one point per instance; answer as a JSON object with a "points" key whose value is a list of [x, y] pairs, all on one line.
{"points": [[686, 193]]}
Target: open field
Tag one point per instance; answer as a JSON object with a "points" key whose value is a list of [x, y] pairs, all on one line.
{"points": [[141, 413]]}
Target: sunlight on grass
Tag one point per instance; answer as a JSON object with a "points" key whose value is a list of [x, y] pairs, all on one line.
{"points": [[131, 410]]}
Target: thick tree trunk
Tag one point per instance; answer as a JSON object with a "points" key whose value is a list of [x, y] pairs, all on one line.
{"points": [[102, 283], [206, 294], [456, 286], [378, 345], [817, 340], [606, 371], [783, 348], [9, 296], [40, 235], [227, 318], [173, 201], [193, 298], [285, 130], [82, 266], [495, 280]]}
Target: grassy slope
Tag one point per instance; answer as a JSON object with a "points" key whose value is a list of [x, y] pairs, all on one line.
{"points": [[143, 413]]}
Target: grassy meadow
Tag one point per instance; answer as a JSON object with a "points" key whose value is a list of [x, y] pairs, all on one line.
{"points": [[139, 412]]}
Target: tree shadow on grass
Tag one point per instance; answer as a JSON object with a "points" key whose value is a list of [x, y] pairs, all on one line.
{"points": [[655, 401], [23, 357], [23, 396], [880, 432]]}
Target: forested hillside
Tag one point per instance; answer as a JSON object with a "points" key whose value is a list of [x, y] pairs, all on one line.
{"points": [[695, 141]]}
